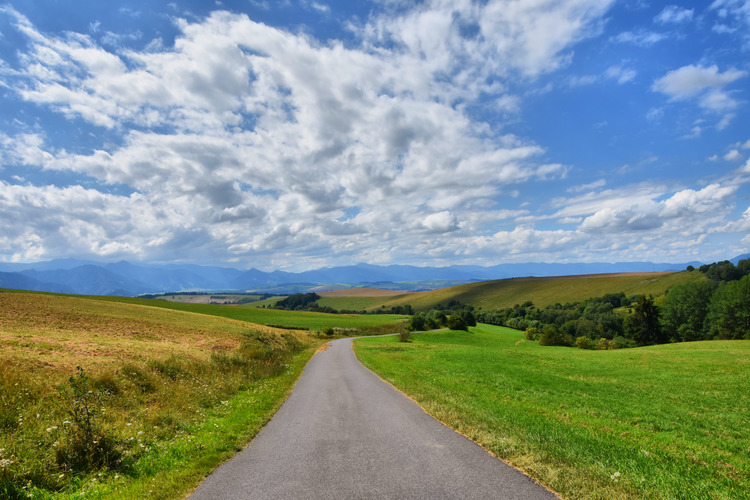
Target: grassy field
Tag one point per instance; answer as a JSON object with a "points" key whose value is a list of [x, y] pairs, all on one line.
{"points": [[163, 397], [667, 421], [500, 294], [365, 324]]}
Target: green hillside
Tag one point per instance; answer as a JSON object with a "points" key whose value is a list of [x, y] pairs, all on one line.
{"points": [[500, 294]]}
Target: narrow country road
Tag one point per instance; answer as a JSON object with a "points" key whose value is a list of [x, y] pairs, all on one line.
{"points": [[345, 434]]}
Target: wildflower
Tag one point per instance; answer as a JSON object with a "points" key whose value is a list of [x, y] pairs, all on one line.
{"points": [[5, 462], [615, 477], [128, 424], [140, 432]]}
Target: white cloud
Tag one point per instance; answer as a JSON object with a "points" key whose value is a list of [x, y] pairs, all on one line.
{"points": [[735, 18], [733, 155], [621, 74], [691, 80], [250, 143], [674, 14], [331, 128], [706, 84], [640, 38]]}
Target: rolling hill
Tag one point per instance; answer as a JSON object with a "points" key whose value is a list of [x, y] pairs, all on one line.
{"points": [[499, 294]]}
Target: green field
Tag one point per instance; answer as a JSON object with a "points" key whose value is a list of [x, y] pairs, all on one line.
{"points": [[500, 294], [667, 421], [370, 323]]}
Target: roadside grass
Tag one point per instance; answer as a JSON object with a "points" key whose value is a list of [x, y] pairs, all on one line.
{"points": [[666, 421], [499, 294], [162, 398]]}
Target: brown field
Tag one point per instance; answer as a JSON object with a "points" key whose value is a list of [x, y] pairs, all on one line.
{"points": [[57, 333]]}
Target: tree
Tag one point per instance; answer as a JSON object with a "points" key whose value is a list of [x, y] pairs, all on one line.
{"points": [[418, 322], [457, 322], [729, 312], [643, 325], [552, 336], [684, 312]]}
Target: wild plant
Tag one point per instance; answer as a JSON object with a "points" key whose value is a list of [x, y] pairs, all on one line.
{"points": [[85, 446]]}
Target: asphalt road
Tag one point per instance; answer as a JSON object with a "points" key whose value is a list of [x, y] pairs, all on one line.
{"points": [[345, 434]]}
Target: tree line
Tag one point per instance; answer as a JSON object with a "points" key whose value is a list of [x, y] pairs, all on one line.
{"points": [[715, 308]]}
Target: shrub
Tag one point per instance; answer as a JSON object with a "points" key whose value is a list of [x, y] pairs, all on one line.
{"points": [[583, 343], [602, 345], [457, 322], [404, 337], [532, 333], [552, 336], [328, 331]]}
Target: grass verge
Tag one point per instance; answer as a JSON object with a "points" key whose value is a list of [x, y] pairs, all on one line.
{"points": [[654, 422]]}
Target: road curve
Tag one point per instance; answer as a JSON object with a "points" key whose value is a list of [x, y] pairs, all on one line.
{"points": [[345, 434]]}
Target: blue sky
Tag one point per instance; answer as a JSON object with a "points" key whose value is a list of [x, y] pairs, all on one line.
{"points": [[300, 134]]}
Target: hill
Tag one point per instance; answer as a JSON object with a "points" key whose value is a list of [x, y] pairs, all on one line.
{"points": [[117, 397], [499, 294]]}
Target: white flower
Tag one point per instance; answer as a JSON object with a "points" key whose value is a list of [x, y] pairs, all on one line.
{"points": [[5, 462]]}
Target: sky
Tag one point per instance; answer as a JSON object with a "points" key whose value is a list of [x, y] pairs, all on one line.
{"points": [[301, 134]]}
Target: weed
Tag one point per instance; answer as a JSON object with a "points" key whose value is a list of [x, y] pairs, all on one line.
{"points": [[86, 445]]}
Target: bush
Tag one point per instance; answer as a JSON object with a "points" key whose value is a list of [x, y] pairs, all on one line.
{"points": [[404, 337], [603, 345], [418, 322], [328, 331], [532, 333], [552, 336], [457, 322], [583, 343]]}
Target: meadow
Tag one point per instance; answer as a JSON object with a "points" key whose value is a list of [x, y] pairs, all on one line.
{"points": [[665, 421], [252, 313], [118, 398]]}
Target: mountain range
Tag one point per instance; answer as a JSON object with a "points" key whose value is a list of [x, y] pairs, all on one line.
{"points": [[128, 279]]}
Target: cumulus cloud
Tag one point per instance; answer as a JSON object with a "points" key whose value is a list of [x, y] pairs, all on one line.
{"points": [[246, 140], [691, 80], [687, 207], [240, 141], [706, 85]]}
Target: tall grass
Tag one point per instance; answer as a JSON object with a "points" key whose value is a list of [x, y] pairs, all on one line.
{"points": [[134, 418]]}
